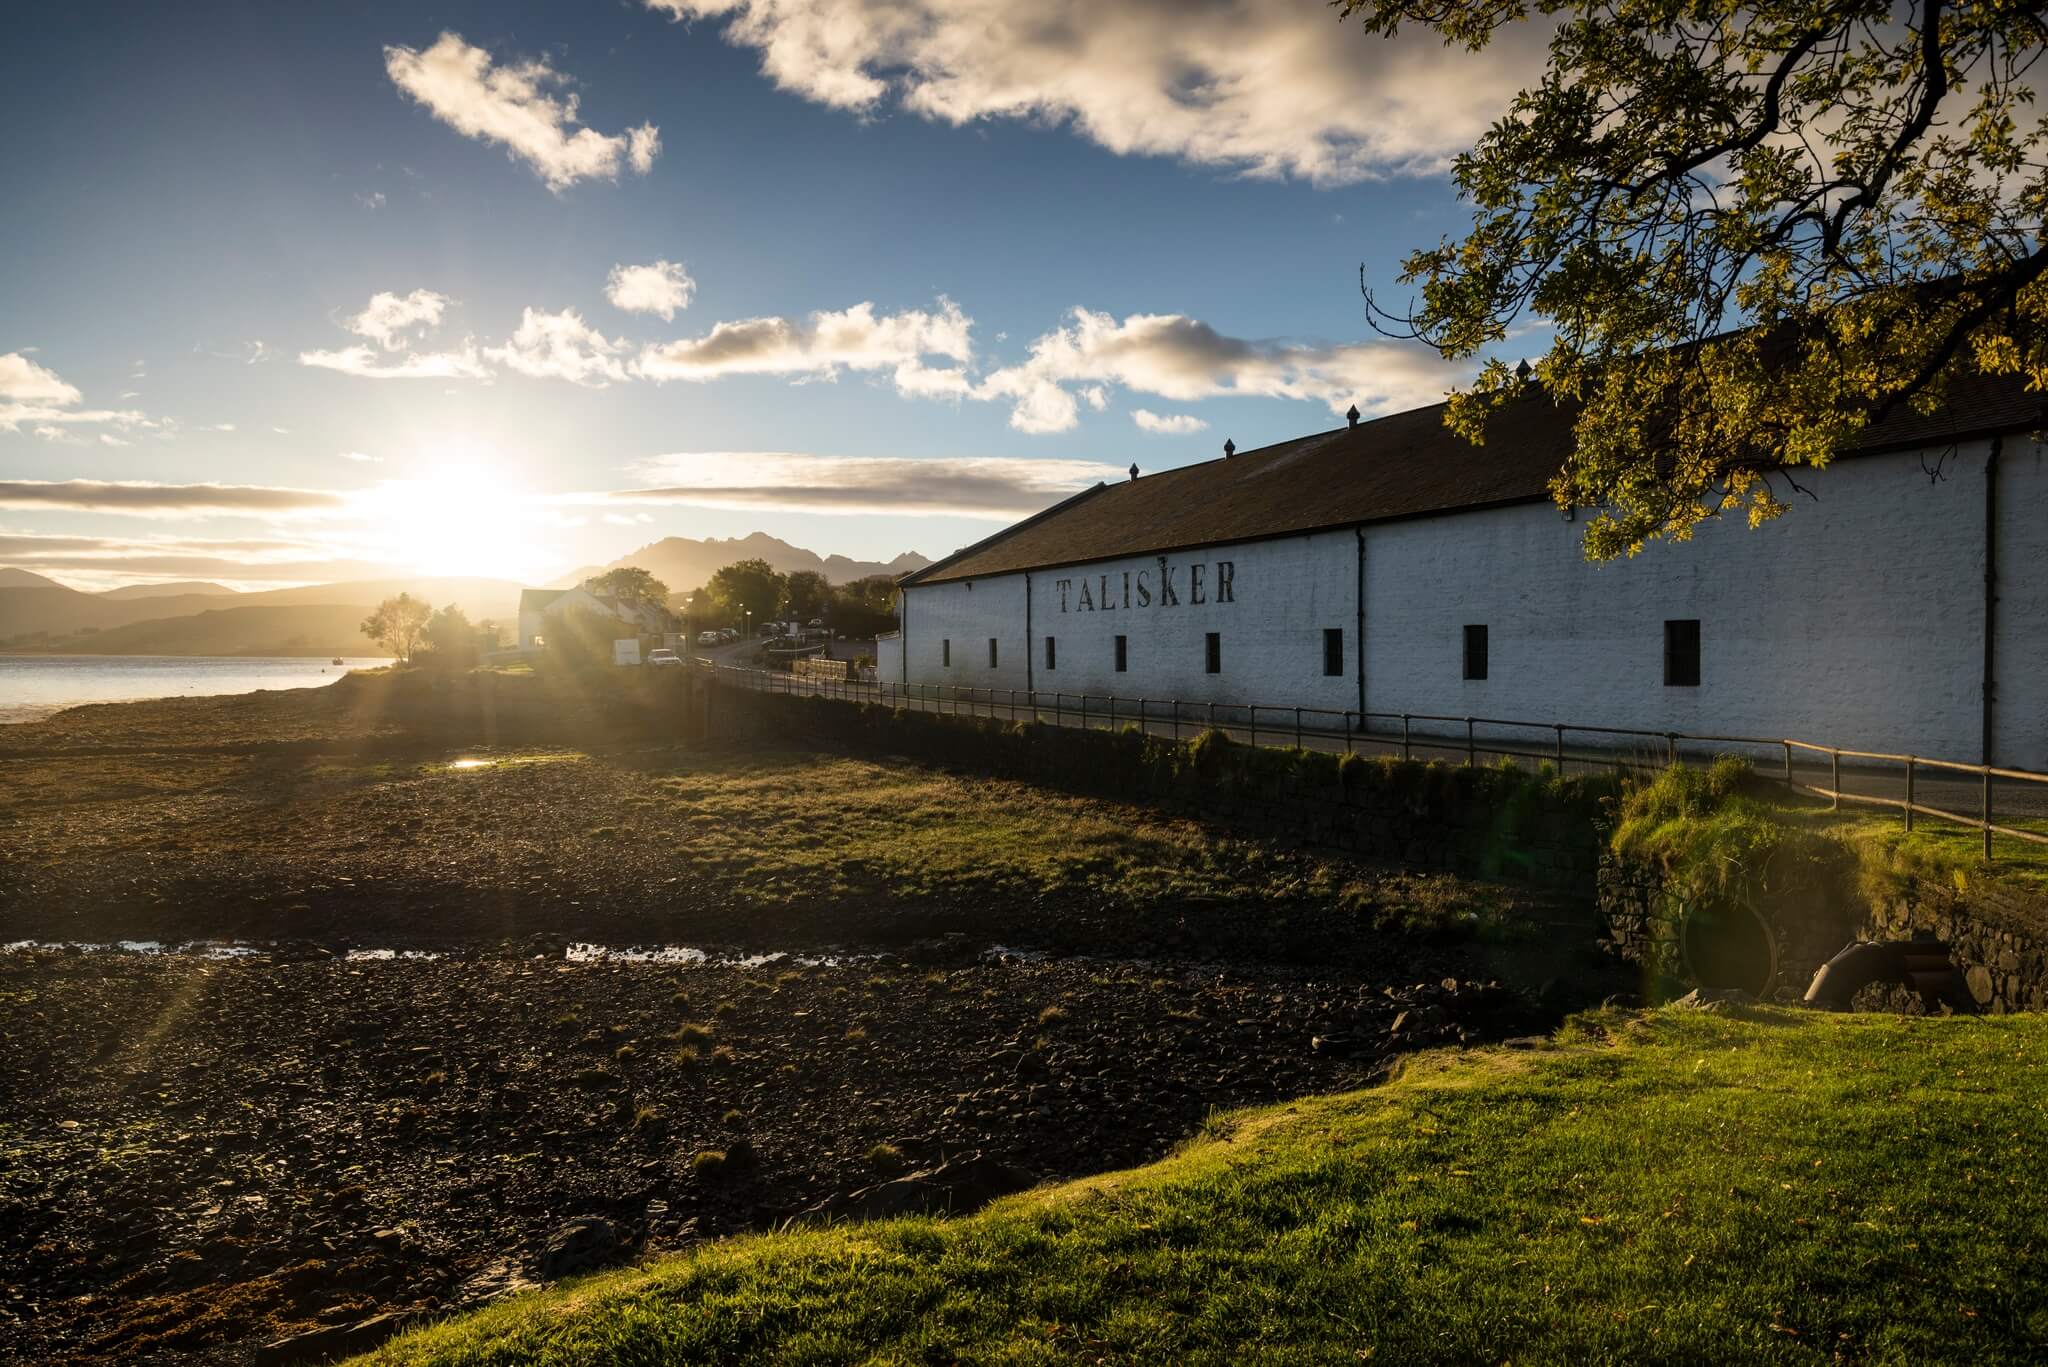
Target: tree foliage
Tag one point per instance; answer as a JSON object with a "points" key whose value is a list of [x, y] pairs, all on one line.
{"points": [[450, 641], [1755, 229], [805, 594], [743, 587], [630, 584], [398, 625]]}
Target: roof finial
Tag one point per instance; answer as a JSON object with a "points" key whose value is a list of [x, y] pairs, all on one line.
{"points": [[1229, 448], [1351, 415], [1524, 370], [1134, 470]]}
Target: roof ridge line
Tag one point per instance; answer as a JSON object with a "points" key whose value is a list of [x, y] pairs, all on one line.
{"points": [[994, 537]]}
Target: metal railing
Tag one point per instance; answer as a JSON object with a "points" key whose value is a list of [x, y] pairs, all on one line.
{"points": [[1443, 736]]}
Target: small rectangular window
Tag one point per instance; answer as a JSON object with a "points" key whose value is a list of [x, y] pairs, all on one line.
{"points": [[1475, 652], [1213, 653], [1333, 650], [946, 653], [1052, 656], [991, 652], [1123, 653], [1682, 653]]}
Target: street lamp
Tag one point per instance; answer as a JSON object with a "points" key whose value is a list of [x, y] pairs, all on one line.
{"points": [[750, 625]]}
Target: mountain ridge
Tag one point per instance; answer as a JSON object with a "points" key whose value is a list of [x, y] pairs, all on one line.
{"points": [[686, 563]]}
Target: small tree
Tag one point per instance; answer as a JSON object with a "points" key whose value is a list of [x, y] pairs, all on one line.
{"points": [[805, 594], [449, 641], [749, 586], [398, 625], [630, 584]]}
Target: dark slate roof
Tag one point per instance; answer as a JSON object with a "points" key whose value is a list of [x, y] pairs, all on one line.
{"points": [[1401, 466]]}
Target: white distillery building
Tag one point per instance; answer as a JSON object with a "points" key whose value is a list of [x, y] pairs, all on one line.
{"points": [[1392, 567]]}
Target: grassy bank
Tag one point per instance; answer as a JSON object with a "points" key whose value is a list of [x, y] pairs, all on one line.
{"points": [[1784, 1187]]}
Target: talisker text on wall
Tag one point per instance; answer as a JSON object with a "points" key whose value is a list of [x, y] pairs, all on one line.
{"points": [[1204, 582]]}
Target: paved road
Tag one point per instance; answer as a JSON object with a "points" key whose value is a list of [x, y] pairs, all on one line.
{"points": [[2013, 801]]}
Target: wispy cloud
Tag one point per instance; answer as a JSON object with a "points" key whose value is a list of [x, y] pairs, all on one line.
{"points": [[148, 499], [1167, 424], [858, 338], [37, 398], [561, 346], [662, 289], [1184, 359], [511, 105], [1263, 87], [393, 321], [23, 381], [432, 365], [980, 487]]}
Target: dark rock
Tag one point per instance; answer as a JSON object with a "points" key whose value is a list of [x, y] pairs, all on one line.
{"points": [[337, 1341], [950, 1189], [582, 1246]]}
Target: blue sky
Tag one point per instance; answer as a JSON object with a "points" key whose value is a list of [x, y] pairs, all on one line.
{"points": [[870, 234]]}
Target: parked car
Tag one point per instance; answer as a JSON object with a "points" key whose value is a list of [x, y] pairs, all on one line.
{"points": [[657, 658], [710, 638]]}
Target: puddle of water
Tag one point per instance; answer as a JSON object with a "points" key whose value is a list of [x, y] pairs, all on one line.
{"points": [[472, 764], [690, 956], [363, 956]]}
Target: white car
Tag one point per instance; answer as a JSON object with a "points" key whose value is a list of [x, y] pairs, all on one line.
{"points": [[710, 638], [663, 657]]}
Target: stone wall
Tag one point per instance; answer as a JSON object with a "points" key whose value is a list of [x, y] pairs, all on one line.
{"points": [[1504, 824], [1998, 934]]}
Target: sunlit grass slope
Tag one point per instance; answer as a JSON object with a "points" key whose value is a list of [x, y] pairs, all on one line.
{"points": [[1785, 1187]]}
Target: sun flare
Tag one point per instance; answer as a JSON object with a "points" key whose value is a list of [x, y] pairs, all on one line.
{"points": [[457, 520]]}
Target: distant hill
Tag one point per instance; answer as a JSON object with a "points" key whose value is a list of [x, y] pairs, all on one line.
{"points": [[684, 563], [22, 579], [169, 590], [52, 616], [313, 629]]}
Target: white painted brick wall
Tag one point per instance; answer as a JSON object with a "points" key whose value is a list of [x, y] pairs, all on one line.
{"points": [[1856, 620]]}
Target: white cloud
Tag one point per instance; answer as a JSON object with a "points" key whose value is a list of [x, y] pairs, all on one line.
{"points": [[109, 439], [561, 346], [221, 427], [982, 487], [1266, 87], [390, 319], [511, 104], [38, 398], [23, 381], [1168, 424], [1185, 359], [372, 201], [854, 339], [359, 458], [432, 365], [661, 288]]}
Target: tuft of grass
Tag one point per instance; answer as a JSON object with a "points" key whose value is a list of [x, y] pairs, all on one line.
{"points": [[723, 1056], [855, 1033], [733, 1117], [726, 1010], [1052, 1015], [1775, 1187], [886, 1158], [688, 1056], [692, 1034], [626, 1053]]}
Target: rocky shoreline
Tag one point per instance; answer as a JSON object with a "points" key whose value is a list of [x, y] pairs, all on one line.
{"points": [[204, 1157]]}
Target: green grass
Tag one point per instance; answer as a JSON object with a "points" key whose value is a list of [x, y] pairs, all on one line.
{"points": [[785, 828], [1785, 1187]]}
